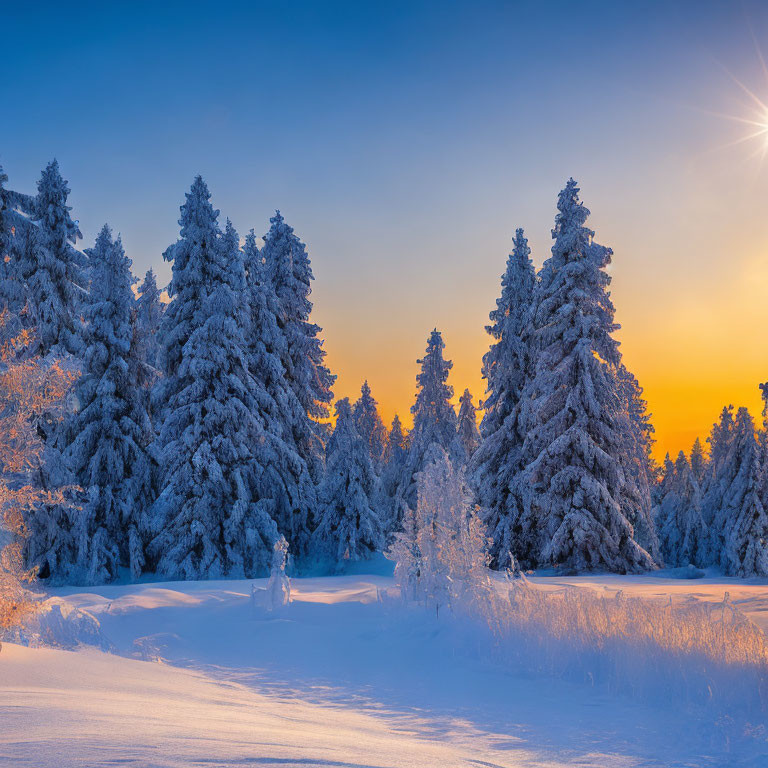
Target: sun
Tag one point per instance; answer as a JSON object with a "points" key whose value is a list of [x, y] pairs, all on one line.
{"points": [[756, 118], [755, 109]]}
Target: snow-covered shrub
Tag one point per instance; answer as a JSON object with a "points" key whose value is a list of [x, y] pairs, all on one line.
{"points": [[56, 623], [441, 555], [279, 585], [28, 389]]}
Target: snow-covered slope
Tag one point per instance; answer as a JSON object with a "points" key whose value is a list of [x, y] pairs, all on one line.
{"points": [[338, 678]]}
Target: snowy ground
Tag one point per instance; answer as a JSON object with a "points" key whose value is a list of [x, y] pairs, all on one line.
{"points": [[200, 678]]}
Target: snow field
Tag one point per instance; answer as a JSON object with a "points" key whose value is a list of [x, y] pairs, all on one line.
{"points": [[345, 677]]}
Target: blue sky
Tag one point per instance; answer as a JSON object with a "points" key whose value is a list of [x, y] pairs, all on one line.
{"points": [[405, 142]]}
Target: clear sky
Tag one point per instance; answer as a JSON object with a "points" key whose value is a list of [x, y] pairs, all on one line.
{"points": [[405, 142]]}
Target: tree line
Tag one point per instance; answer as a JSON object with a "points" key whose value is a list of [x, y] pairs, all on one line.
{"points": [[197, 435]]}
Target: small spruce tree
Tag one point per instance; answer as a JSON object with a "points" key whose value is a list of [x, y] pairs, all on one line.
{"points": [[370, 426], [434, 420], [349, 527], [467, 434]]}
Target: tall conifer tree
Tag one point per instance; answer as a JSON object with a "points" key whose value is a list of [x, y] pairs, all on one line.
{"points": [[55, 271], [286, 478], [506, 368], [576, 434], [211, 447], [108, 435], [286, 262]]}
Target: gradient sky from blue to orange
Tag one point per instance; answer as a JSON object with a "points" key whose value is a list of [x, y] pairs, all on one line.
{"points": [[406, 141]]}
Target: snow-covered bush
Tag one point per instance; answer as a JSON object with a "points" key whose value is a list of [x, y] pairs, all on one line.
{"points": [[279, 585], [28, 388], [56, 623], [441, 555]]}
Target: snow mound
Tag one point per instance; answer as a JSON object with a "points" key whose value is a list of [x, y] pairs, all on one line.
{"points": [[59, 624]]}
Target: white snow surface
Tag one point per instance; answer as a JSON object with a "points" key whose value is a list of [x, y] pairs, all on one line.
{"points": [[338, 678]]}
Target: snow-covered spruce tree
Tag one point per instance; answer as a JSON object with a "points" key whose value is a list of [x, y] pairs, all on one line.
{"points": [[285, 479], [639, 468], [665, 481], [55, 276], [698, 463], [682, 533], [467, 434], [348, 527], [16, 237], [506, 364], [370, 426], [576, 436], [745, 536], [434, 420], [286, 261], [441, 555], [208, 520], [108, 435], [54, 270], [506, 367], [720, 474], [393, 467], [763, 448], [149, 313]]}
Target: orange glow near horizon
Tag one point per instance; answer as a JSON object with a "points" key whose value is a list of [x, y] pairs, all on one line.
{"points": [[696, 344]]}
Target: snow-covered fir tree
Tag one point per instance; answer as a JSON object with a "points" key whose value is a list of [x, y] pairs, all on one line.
{"points": [[370, 426], [506, 367], [699, 463], [108, 435], [286, 262], [434, 419], [681, 529], [763, 448], [393, 468], [637, 463], [576, 434], [17, 233], [208, 519], [720, 474], [54, 270], [149, 313], [665, 481], [745, 529], [506, 364], [348, 527], [286, 478], [467, 434]]}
